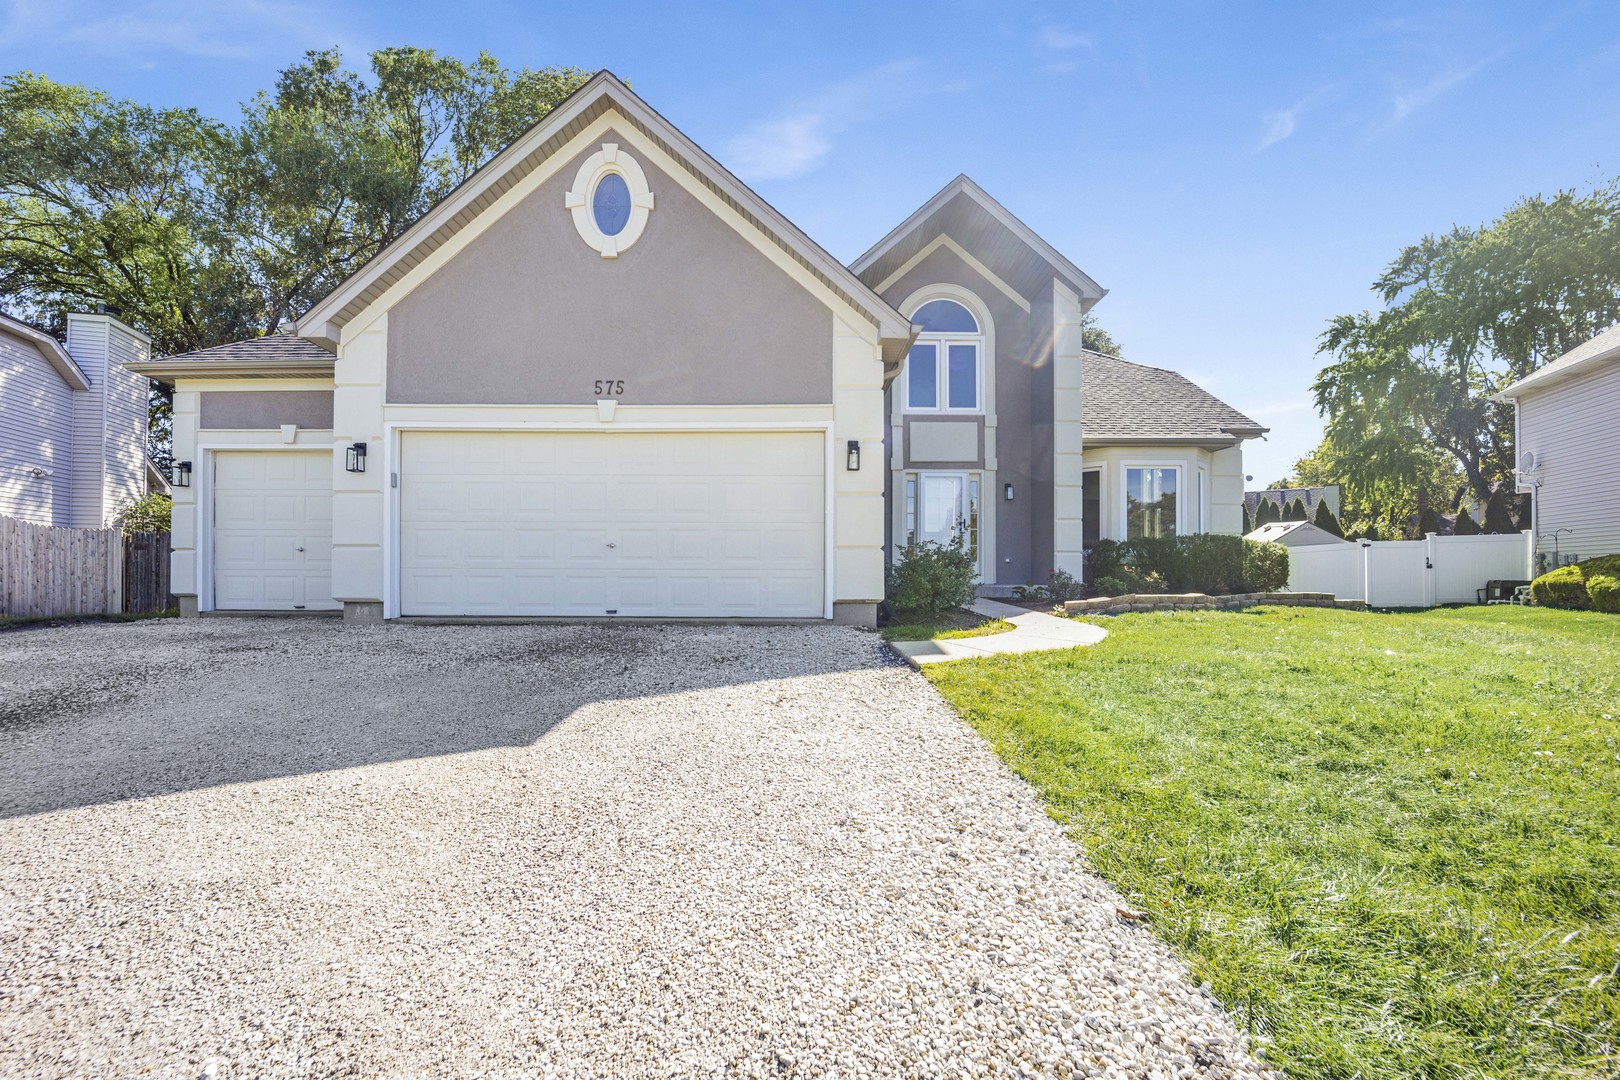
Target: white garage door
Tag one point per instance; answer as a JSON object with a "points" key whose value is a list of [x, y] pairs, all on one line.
{"points": [[273, 530], [612, 523]]}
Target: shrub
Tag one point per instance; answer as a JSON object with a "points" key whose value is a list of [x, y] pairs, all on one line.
{"points": [[1106, 559], [1566, 587], [1064, 586], [1325, 520], [1604, 592], [1111, 586], [1466, 525], [929, 578], [1265, 566], [148, 514]]}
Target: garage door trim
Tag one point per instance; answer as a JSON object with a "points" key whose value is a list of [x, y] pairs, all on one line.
{"points": [[205, 503], [391, 505]]}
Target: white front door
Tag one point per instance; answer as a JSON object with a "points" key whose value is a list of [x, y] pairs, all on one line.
{"points": [[942, 506], [273, 530], [695, 524]]}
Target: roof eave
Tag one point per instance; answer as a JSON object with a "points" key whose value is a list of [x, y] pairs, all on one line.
{"points": [[1083, 283], [167, 371], [51, 349]]}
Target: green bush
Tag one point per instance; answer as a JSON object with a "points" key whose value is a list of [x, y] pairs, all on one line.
{"points": [[148, 514], [1199, 562], [1265, 566], [1466, 525], [1604, 592], [929, 578], [1566, 587], [1064, 586]]}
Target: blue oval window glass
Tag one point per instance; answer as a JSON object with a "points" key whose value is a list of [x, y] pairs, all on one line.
{"points": [[945, 317], [610, 204]]}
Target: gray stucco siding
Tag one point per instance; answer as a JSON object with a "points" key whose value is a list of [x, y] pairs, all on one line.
{"points": [[1023, 413], [691, 314], [250, 410]]}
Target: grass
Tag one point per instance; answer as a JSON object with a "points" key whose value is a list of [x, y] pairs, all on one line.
{"points": [[1390, 842], [960, 623]]}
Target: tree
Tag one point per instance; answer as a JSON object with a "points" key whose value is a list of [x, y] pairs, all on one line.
{"points": [[1325, 520], [1296, 510], [1465, 524], [1097, 339], [1248, 522], [200, 233], [1266, 512], [1464, 314], [1391, 505]]}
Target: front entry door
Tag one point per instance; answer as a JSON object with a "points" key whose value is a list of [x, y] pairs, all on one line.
{"points": [[942, 506]]}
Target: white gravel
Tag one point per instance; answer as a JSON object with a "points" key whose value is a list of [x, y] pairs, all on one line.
{"points": [[298, 848]]}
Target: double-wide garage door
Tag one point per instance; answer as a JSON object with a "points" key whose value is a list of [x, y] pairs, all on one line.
{"points": [[697, 524]]}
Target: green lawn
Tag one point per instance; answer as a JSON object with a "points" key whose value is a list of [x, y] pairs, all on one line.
{"points": [[1391, 842], [960, 623]]}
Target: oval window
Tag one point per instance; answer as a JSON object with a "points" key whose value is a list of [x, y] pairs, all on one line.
{"points": [[610, 204]]}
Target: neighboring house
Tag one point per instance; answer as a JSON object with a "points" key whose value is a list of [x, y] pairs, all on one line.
{"points": [[605, 378], [1295, 534], [72, 422], [1332, 494], [1567, 431]]}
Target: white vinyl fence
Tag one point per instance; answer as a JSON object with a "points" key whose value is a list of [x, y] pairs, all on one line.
{"points": [[1411, 573]]}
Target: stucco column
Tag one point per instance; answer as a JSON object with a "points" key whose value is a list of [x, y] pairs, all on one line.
{"points": [[1068, 474]]}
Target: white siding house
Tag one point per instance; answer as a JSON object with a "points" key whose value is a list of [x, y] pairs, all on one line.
{"points": [[1568, 440], [72, 421]]}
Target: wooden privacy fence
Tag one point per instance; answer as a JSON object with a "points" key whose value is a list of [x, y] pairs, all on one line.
{"points": [[46, 572]]}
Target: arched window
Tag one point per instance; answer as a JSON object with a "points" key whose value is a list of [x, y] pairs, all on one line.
{"points": [[944, 372]]}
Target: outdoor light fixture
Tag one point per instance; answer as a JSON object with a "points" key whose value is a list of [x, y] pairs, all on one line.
{"points": [[182, 474], [1008, 491], [854, 462], [357, 458]]}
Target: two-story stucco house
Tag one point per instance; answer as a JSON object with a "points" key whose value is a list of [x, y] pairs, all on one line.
{"points": [[604, 378], [1568, 442], [72, 422]]}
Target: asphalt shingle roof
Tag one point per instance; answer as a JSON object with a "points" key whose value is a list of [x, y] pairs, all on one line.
{"points": [[1123, 400], [269, 347]]}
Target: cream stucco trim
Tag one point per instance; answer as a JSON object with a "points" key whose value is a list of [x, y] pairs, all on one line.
{"points": [[1068, 465], [944, 241], [213, 386], [609, 161]]}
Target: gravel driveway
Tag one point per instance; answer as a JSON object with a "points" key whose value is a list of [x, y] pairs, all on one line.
{"points": [[274, 847]]}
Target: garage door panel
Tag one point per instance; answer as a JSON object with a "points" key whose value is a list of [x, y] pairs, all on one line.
{"points": [[632, 523], [272, 530]]}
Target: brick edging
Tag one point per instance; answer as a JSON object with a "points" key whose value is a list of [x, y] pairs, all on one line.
{"points": [[1119, 605]]}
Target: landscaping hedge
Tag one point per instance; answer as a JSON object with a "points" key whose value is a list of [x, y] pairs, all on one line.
{"points": [[1197, 563], [1593, 584]]}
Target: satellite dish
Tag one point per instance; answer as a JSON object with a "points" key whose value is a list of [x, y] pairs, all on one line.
{"points": [[1527, 461]]}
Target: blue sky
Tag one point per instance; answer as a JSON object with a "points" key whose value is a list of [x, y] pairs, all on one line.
{"points": [[1234, 174]]}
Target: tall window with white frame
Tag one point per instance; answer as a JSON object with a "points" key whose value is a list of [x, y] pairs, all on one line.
{"points": [[1150, 502], [945, 369]]}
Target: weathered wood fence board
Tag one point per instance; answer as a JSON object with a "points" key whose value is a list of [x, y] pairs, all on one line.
{"points": [[146, 573], [46, 572]]}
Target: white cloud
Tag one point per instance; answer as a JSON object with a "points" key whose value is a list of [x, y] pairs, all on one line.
{"points": [[1411, 99], [795, 141], [1278, 126], [1061, 40], [215, 29]]}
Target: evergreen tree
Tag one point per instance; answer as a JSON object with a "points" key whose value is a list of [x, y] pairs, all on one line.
{"points": [[1466, 525], [1325, 519], [1248, 522], [1296, 510]]}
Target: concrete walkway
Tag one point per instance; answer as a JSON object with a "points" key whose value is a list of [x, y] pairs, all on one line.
{"points": [[1033, 631]]}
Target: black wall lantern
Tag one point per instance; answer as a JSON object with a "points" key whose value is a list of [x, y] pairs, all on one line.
{"points": [[1008, 491], [182, 474], [854, 462], [356, 458]]}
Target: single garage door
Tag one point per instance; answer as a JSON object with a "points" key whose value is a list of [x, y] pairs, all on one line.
{"points": [[612, 523], [273, 530]]}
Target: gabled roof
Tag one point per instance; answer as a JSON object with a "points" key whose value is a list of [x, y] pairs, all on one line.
{"points": [[324, 322], [1600, 350], [1122, 402], [949, 210], [271, 356], [1294, 533], [49, 347]]}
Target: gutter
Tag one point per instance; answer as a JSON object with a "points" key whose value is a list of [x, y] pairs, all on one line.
{"points": [[167, 371]]}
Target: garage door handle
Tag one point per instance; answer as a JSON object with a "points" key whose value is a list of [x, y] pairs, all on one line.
{"points": [[300, 549], [613, 545]]}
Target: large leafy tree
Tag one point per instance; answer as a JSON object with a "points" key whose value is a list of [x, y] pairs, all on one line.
{"points": [[1464, 314], [200, 232]]}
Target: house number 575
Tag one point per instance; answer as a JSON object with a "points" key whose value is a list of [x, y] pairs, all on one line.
{"points": [[609, 387]]}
